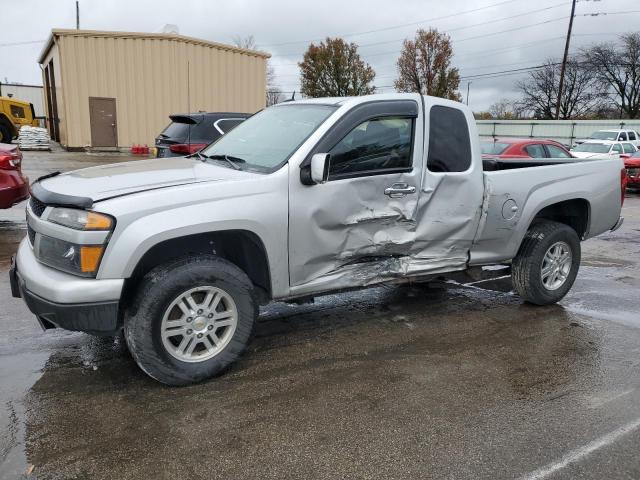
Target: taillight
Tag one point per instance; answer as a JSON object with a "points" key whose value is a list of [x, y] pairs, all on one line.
{"points": [[10, 161], [624, 178], [187, 148]]}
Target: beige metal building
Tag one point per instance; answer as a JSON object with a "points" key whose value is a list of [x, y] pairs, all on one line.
{"points": [[116, 89]]}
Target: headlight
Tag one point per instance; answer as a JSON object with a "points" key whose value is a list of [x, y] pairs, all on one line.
{"points": [[80, 260], [80, 219]]}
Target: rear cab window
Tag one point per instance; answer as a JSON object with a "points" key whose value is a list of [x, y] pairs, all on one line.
{"points": [[449, 141]]}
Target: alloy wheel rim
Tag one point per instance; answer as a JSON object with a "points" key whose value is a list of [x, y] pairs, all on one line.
{"points": [[198, 324], [556, 266]]}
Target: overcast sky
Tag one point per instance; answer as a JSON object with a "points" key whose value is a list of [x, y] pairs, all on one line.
{"points": [[536, 31]]}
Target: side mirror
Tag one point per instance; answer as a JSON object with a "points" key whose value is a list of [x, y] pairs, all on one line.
{"points": [[320, 167]]}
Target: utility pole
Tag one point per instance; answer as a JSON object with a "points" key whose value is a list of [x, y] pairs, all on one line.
{"points": [[77, 15], [468, 86], [564, 59]]}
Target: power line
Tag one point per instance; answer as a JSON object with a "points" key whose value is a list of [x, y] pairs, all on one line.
{"points": [[364, 45], [396, 26], [14, 44]]}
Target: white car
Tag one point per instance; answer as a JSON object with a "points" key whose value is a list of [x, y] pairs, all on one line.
{"points": [[600, 149], [614, 135]]}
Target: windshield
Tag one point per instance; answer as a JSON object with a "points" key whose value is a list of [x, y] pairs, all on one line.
{"points": [[604, 135], [270, 137], [493, 148], [592, 148]]}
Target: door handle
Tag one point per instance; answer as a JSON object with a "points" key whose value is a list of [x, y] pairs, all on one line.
{"points": [[399, 190]]}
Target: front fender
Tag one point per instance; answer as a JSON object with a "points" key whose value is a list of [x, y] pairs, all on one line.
{"points": [[182, 211]]}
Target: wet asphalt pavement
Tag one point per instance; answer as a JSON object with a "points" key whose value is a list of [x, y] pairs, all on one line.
{"points": [[446, 380]]}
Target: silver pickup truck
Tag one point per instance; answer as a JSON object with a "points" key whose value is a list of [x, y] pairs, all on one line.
{"points": [[302, 199]]}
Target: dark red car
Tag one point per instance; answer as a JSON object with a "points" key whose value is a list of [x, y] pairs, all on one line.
{"points": [[14, 187], [523, 148], [632, 164]]}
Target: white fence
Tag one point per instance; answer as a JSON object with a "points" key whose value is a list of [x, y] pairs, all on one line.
{"points": [[563, 131]]}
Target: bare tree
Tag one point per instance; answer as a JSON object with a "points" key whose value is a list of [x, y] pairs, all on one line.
{"points": [[581, 95], [505, 109], [334, 68], [273, 93], [617, 66], [424, 66], [248, 42]]}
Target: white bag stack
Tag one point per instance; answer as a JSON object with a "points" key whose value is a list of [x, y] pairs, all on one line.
{"points": [[33, 138]]}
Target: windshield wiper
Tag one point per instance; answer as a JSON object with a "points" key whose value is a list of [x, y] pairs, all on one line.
{"points": [[231, 160]]}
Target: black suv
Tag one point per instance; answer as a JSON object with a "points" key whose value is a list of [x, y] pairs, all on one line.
{"points": [[189, 132]]}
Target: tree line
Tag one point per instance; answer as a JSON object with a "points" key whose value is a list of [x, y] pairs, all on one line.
{"points": [[601, 81]]}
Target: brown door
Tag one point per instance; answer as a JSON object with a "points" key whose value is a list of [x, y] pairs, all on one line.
{"points": [[104, 127]]}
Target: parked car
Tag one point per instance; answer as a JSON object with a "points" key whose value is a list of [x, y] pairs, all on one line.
{"points": [[13, 115], [632, 164], [523, 148], [14, 187], [302, 199], [189, 132], [605, 148], [614, 135]]}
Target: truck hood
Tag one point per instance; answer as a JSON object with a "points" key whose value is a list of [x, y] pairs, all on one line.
{"points": [[118, 179]]}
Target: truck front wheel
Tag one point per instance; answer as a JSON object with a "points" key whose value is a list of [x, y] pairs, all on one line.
{"points": [[547, 263], [190, 319]]}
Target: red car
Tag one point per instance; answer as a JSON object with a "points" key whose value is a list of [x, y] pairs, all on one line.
{"points": [[632, 164], [14, 187], [523, 148]]}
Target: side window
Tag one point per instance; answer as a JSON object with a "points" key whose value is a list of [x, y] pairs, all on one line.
{"points": [[535, 151], [228, 124], [628, 148], [632, 135], [557, 152], [17, 112], [617, 148], [449, 144], [622, 137], [377, 145]]}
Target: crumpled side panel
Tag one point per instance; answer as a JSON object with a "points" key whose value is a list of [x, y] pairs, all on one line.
{"points": [[362, 237]]}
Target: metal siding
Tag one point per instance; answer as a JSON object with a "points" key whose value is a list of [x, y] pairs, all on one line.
{"points": [[148, 79], [564, 131], [54, 55]]}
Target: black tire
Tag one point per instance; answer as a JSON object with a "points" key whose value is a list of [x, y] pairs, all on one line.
{"points": [[156, 292], [5, 134], [526, 269]]}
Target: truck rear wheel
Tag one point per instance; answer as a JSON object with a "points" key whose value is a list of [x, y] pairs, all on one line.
{"points": [[190, 319], [547, 263]]}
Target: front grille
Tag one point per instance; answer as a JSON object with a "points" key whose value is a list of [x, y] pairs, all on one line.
{"points": [[32, 235], [632, 172], [37, 207]]}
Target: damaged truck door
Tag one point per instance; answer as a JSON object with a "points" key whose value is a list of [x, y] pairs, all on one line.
{"points": [[361, 221], [366, 208]]}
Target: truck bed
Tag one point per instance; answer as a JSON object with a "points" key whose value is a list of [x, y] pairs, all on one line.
{"points": [[495, 164], [516, 191]]}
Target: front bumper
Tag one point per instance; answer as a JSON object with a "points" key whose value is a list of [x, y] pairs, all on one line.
{"points": [[65, 301]]}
